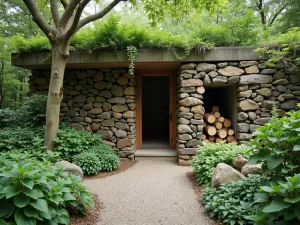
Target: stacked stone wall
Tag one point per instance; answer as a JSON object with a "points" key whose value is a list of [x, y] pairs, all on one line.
{"points": [[258, 89], [99, 101]]}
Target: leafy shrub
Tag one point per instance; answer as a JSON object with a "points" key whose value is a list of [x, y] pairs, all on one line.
{"points": [[103, 149], [33, 192], [98, 159], [31, 114], [109, 162], [280, 203], [277, 146], [232, 202], [19, 138], [6, 117], [33, 111], [88, 162], [283, 48], [210, 155], [71, 142]]}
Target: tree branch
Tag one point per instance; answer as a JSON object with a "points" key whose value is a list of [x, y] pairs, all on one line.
{"points": [[276, 15], [73, 28], [99, 15], [37, 16], [54, 12], [64, 3], [69, 12]]}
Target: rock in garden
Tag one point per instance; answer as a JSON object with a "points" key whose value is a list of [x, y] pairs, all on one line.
{"points": [[224, 174], [70, 168], [239, 162], [251, 169]]}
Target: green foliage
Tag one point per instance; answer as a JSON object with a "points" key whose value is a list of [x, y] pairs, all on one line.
{"points": [[109, 162], [33, 192], [232, 202], [279, 203], [210, 155], [31, 114], [19, 138], [97, 159], [71, 142], [111, 34], [26, 140], [88, 162], [131, 52], [283, 48], [277, 146]]}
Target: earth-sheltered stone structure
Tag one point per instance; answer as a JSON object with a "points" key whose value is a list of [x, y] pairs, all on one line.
{"points": [[100, 95]]}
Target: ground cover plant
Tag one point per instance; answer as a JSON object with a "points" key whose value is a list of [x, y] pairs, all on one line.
{"points": [[209, 155], [233, 202], [35, 192]]}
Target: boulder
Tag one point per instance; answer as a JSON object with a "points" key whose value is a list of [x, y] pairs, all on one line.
{"points": [[70, 168], [239, 162], [224, 174], [189, 66], [230, 71], [251, 169], [106, 134]]}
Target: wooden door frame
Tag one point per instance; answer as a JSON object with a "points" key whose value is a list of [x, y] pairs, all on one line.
{"points": [[139, 125]]}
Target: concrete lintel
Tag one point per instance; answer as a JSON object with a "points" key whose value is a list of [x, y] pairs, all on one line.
{"points": [[118, 58]]}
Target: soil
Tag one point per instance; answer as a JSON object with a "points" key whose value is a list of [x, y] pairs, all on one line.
{"points": [[124, 165], [198, 190], [92, 216]]}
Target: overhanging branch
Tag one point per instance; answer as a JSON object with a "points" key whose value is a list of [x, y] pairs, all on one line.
{"points": [[69, 12], [37, 16], [73, 28], [99, 15], [54, 12]]}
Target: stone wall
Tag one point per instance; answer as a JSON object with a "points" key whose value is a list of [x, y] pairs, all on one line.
{"points": [[103, 101], [99, 101], [258, 89]]}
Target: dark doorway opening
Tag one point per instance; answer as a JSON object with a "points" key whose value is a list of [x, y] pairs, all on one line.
{"points": [[155, 112]]}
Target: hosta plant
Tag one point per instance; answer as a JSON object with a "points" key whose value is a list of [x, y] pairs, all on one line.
{"points": [[38, 193], [232, 202], [88, 162], [71, 142], [279, 203], [109, 162], [277, 146], [209, 155]]}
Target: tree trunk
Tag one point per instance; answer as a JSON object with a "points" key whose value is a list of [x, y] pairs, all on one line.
{"points": [[55, 94]]}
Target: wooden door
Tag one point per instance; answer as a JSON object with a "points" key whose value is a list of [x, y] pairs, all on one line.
{"points": [[172, 109]]}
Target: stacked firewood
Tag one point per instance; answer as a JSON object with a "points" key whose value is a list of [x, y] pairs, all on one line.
{"points": [[216, 128]]}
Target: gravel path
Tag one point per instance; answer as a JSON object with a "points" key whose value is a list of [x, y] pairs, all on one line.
{"points": [[154, 192]]}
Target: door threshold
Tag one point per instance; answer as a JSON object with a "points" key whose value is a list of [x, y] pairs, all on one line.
{"points": [[156, 153]]}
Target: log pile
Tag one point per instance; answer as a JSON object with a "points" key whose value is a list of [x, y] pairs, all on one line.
{"points": [[217, 128]]}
